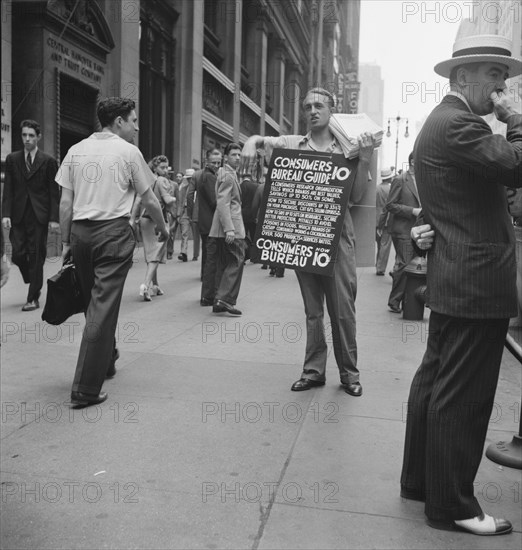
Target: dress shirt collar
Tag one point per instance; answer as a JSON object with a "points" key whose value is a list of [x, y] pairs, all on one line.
{"points": [[32, 153], [307, 139]]}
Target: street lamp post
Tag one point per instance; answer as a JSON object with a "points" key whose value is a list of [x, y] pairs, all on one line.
{"points": [[406, 134]]}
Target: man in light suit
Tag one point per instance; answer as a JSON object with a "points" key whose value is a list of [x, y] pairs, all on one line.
{"points": [[184, 216], [403, 205], [462, 172], [382, 235], [226, 242], [30, 208]]}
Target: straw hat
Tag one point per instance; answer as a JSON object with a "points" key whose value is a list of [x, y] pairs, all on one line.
{"points": [[482, 48], [386, 175]]}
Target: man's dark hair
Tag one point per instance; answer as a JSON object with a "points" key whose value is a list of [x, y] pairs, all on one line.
{"points": [[232, 145], [31, 124], [211, 152], [111, 108]]}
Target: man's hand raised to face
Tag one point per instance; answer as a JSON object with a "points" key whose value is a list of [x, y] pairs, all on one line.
{"points": [[503, 105]]}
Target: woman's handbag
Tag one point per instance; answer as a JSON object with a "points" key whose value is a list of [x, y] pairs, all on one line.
{"points": [[64, 296]]}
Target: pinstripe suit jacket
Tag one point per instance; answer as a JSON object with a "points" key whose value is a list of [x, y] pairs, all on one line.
{"points": [[462, 170]]}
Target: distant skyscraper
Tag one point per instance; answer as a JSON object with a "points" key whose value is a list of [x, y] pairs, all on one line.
{"points": [[371, 99]]}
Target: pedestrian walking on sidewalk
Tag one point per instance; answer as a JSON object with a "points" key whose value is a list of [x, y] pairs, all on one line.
{"points": [[30, 208], [99, 178], [226, 242], [382, 235], [154, 248], [403, 205], [201, 200], [173, 214]]}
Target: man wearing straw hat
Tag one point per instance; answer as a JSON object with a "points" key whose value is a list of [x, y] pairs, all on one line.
{"points": [[462, 172], [382, 236]]}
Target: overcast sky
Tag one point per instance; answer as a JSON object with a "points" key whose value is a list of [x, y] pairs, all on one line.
{"points": [[407, 38]]}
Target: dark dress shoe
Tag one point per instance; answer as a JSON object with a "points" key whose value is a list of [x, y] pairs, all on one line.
{"points": [[204, 302], [410, 494], [354, 389], [84, 400], [111, 371], [222, 307], [380, 273], [183, 257], [304, 384], [395, 309], [31, 306]]}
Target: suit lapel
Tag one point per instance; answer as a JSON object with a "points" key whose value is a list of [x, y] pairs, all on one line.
{"points": [[412, 186], [20, 160]]}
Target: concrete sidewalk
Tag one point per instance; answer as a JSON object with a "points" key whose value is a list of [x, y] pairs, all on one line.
{"points": [[201, 443]]}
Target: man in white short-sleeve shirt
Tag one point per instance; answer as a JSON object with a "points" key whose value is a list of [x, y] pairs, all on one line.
{"points": [[99, 178]]}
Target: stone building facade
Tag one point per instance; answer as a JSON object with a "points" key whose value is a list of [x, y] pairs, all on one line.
{"points": [[203, 72]]}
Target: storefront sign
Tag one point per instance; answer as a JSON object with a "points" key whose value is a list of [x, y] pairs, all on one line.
{"points": [[302, 212], [76, 62]]}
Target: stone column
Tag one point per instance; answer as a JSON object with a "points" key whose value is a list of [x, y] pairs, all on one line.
{"points": [[236, 113], [123, 63], [262, 37], [296, 72], [280, 104], [189, 93]]}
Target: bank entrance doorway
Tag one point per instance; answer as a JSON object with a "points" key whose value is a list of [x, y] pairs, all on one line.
{"points": [[77, 113]]}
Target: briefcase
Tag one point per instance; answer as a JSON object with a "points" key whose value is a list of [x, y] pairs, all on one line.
{"points": [[64, 296]]}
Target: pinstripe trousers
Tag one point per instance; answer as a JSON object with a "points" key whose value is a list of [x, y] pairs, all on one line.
{"points": [[449, 407]]}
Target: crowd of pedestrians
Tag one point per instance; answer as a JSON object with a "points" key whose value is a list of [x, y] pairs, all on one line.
{"points": [[451, 198]]}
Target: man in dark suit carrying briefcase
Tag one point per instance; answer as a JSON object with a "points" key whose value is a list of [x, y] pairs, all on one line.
{"points": [[30, 208], [462, 172]]}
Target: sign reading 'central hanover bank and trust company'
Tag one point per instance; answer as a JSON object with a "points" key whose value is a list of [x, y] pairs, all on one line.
{"points": [[301, 215]]}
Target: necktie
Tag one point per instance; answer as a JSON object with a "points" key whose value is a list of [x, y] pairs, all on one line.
{"points": [[29, 163]]}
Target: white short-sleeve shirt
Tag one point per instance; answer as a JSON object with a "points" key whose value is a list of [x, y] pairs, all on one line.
{"points": [[104, 171]]}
